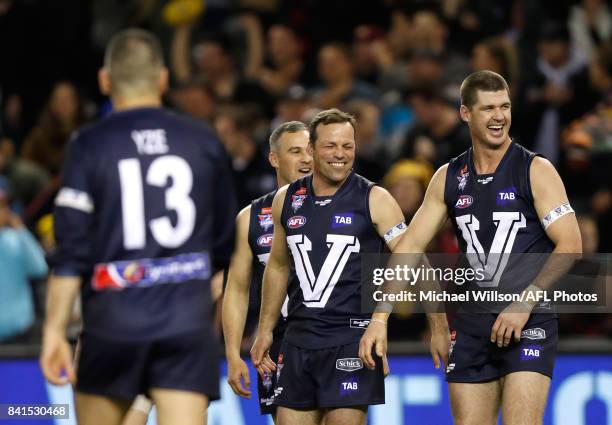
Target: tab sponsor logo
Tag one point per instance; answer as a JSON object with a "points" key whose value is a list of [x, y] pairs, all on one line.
{"points": [[350, 386], [531, 352], [342, 220]]}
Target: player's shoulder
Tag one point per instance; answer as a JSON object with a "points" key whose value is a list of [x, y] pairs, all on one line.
{"points": [[360, 181], [245, 212], [540, 167], [265, 199]]}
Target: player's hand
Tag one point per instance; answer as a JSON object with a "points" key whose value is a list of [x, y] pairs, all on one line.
{"points": [[238, 372], [56, 359], [375, 337], [260, 353], [510, 321], [439, 347]]}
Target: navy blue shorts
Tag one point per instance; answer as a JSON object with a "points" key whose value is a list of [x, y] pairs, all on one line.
{"points": [[121, 369], [266, 386], [477, 359], [327, 378]]}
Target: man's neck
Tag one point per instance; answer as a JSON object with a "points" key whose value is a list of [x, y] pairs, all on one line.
{"points": [[323, 186], [486, 159], [123, 103]]}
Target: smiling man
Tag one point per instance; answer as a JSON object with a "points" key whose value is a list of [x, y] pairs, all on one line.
{"points": [[291, 157], [501, 198], [322, 223]]}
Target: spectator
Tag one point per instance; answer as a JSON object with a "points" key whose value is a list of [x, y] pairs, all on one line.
{"points": [[61, 116], [214, 64], [252, 174], [371, 158], [437, 134], [559, 92], [430, 32], [196, 99], [590, 25], [498, 55], [293, 105], [339, 83], [407, 181], [21, 258], [26, 178], [283, 65]]}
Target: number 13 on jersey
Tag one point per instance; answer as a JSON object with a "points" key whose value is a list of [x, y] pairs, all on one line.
{"points": [[177, 199]]}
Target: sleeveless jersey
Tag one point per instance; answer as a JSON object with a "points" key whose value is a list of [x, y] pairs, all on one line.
{"points": [[494, 216], [144, 215], [325, 236], [261, 232]]}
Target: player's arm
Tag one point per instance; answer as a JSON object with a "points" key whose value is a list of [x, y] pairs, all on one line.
{"points": [[428, 220], [73, 220], [559, 221], [274, 289], [56, 354], [236, 304]]}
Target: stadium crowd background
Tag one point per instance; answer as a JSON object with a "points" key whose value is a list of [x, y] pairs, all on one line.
{"points": [[245, 66]]}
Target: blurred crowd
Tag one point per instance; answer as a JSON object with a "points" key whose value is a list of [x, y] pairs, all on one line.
{"points": [[245, 66]]}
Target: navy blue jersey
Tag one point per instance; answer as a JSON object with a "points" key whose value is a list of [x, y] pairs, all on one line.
{"points": [[325, 236], [261, 231], [144, 215], [494, 214]]}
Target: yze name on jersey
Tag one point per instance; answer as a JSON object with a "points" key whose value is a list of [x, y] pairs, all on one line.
{"points": [[265, 218], [265, 240], [296, 222], [464, 201], [151, 272], [342, 220], [150, 142]]}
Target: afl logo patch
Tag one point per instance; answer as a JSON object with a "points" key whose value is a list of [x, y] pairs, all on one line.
{"points": [[296, 221], [265, 240], [464, 201]]}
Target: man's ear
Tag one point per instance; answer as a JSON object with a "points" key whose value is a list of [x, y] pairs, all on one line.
{"points": [[104, 82], [464, 112], [164, 80], [273, 158]]}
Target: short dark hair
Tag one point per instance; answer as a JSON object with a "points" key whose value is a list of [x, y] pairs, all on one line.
{"points": [[481, 80], [329, 116], [286, 127], [133, 60]]}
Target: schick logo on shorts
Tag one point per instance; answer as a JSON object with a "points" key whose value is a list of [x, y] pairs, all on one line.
{"points": [[360, 323], [531, 352], [342, 220], [534, 333], [349, 364], [350, 386]]}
